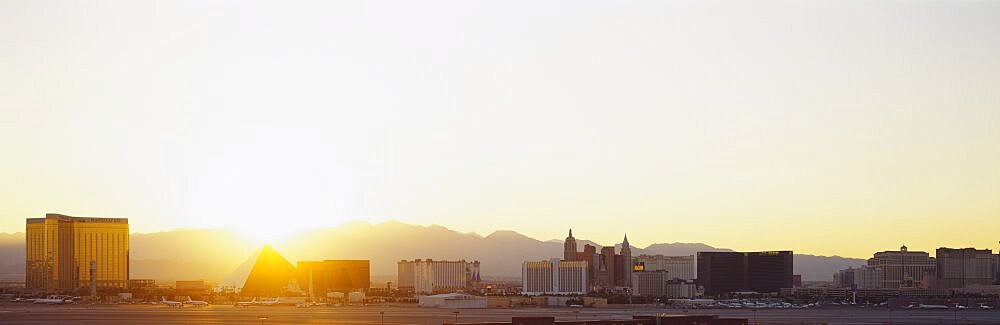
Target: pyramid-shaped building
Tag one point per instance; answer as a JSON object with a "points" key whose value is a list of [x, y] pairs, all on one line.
{"points": [[265, 273]]}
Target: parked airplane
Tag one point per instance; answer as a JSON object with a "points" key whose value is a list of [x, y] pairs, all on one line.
{"points": [[53, 300], [246, 303], [196, 303], [169, 303], [283, 301], [922, 306]]}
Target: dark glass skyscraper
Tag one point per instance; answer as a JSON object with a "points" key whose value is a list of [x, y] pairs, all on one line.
{"points": [[723, 272]]}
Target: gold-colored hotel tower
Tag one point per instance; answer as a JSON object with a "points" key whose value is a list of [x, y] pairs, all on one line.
{"points": [[67, 254]]}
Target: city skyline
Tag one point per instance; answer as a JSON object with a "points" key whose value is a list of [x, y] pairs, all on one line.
{"points": [[460, 162], [691, 121], [250, 242]]}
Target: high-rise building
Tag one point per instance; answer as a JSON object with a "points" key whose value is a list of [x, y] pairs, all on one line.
{"points": [[65, 254], [677, 267], [593, 259], [320, 277], [554, 277], [406, 276], [958, 268], [536, 277], [903, 268], [569, 247], [865, 277], [764, 272], [430, 276], [996, 268], [571, 277], [625, 266], [607, 274]]}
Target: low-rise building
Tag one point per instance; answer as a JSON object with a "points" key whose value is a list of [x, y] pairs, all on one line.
{"points": [[650, 283], [848, 294], [661, 284], [678, 288], [452, 301], [141, 284], [191, 288]]}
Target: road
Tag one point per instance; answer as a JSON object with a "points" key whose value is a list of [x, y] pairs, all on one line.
{"points": [[11, 313]]}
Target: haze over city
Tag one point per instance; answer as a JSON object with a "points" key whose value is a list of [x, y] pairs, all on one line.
{"points": [[557, 162], [832, 128]]}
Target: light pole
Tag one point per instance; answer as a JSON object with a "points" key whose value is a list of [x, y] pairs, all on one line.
{"points": [[381, 317], [755, 316], [456, 316], [262, 318]]}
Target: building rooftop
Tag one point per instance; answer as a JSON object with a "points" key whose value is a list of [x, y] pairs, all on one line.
{"points": [[61, 217]]}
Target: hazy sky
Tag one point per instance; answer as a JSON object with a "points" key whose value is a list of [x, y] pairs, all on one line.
{"points": [[827, 127]]}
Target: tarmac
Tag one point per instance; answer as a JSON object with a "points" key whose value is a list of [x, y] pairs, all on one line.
{"points": [[20, 313]]}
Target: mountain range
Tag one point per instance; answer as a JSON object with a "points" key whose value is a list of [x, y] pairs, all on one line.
{"points": [[211, 254]]}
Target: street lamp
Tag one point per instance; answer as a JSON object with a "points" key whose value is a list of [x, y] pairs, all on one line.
{"points": [[755, 316], [456, 316], [381, 317], [262, 318]]}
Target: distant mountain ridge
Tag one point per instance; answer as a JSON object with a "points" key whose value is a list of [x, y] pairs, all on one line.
{"points": [[211, 254]]}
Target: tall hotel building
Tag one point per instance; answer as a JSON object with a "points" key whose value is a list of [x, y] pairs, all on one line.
{"points": [[65, 254], [554, 276], [764, 272], [430, 276], [959, 268], [321, 277], [677, 267], [904, 269], [864, 277]]}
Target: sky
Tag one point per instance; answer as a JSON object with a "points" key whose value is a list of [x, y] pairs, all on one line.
{"points": [[825, 127]]}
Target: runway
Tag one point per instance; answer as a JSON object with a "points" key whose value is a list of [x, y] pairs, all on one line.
{"points": [[12, 313]]}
